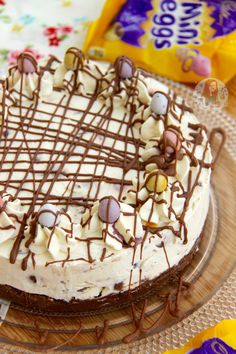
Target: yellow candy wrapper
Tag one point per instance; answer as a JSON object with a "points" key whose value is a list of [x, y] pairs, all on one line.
{"points": [[183, 40], [218, 339]]}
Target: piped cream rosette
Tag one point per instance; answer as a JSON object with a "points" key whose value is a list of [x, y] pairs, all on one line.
{"points": [[24, 81], [11, 216], [76, 73], [122, 232], [54, 243]]}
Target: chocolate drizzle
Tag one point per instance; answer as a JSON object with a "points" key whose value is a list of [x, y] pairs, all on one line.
{"points": [[28, 124], [101, 333], [220, 132], [171, 307]]}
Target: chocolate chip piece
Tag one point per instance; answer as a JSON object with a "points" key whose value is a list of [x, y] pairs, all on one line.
{"points": [[99, 295], [33, 279], [81, 290], [118, 286], [5, 133]]}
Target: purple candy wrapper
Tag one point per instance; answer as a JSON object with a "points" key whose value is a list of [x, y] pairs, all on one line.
{"points": [[213, 346], [179, 19]]}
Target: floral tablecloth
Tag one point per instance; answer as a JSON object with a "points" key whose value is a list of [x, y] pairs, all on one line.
{"points": [[43, 26]]}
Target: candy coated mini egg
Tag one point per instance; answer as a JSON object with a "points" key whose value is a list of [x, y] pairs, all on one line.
{"points": [[124, 67], [201, 66], [159, 103], [156, 181], [26, 63], [73, 59], [48, 215], [109, 210], [172, 141]]}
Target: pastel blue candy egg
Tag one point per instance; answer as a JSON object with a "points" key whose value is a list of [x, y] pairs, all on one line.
{"points": [[48, 215], [109, 210], [159, 103]]}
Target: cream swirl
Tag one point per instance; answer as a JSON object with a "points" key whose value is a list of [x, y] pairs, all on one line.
{"points": [[124, 231], [55, 242], [83, 79], [11, 216], [167, 207], [152, 128], [123, 92], [24, 86], [158, 209]]}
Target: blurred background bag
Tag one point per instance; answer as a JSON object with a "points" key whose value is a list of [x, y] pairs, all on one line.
{"points": [[183, 40]]}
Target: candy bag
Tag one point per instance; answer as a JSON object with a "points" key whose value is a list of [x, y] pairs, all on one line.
{"points": [[218, 339], [183, 40]]}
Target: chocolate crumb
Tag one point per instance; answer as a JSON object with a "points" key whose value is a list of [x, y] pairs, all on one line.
{"points": [[81, 290], [5, 133], [99, 295], [119, 286], [33, 279]]}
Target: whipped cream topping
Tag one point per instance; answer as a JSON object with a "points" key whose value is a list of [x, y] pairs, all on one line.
{"points": [[167, 206], [88, 136], [11, 216], [24, 86], [83, 80], [124, 92], [125, 231], [53, 243]]}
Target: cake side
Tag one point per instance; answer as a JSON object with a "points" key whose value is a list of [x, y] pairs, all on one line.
{"points": [[112, 282], [47, 304], [105, 178]]}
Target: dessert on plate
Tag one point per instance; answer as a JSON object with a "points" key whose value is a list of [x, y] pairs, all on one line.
{"points": [[104, 183]]}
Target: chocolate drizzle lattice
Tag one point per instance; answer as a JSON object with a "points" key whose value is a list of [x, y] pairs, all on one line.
{"points": [[23, 150], [48, 143]]}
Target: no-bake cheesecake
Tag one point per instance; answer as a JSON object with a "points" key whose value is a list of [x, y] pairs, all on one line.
{"points": [[104, 182]]}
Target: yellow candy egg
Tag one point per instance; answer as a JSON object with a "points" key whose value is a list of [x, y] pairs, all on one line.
{"points": [[152, 225], [156, 181], [73, 59]]}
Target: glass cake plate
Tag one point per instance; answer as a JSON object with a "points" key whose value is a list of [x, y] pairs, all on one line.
{"points": [[211, 297]]}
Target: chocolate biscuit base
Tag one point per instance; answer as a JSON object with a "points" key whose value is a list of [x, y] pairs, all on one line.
{"points": [[41, 303]]}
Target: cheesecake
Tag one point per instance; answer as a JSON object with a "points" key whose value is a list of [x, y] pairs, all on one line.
{"points": [[104, 183]]}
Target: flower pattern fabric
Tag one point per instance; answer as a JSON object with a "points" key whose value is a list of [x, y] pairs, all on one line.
{"points": [[43, 28]]}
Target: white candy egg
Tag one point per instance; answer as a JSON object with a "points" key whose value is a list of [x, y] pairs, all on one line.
{"points": [[48, 215], [159, 103]]}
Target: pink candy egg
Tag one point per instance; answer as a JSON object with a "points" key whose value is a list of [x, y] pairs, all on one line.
{"points": [[201, 66], [26, 63], [109, 210], [172, 141]]}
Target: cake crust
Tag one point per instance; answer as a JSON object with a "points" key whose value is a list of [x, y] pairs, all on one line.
{"points": [[45, 304]]}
